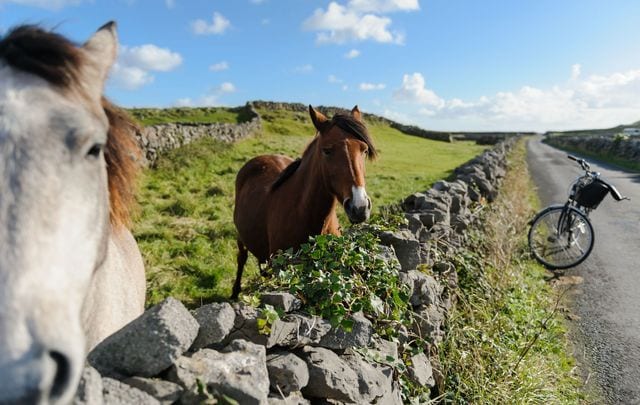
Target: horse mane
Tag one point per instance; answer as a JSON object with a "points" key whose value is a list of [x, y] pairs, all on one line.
{"points": [[57, 60], [45, 54], [122, 155], [286, 173], [345, 122]]}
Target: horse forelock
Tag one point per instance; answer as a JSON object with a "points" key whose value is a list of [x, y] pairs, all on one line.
{"points": [[122, 155], [356, 128], [46, 54]]}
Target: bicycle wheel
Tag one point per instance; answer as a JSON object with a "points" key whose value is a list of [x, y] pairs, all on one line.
{"points": [[560, 237]]}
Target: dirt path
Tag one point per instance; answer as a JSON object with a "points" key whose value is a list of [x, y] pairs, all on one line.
{"points": [[608, 302]]}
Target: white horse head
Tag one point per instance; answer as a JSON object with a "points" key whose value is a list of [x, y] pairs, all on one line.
{"points": [[55, 228]]}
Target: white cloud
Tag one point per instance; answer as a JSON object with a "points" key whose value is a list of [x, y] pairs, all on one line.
{"points": [[220, 66], [372, 86], [227, 87], [46, 4], [303, 69], [333, 79], [150, 57], [384, 6], [593, 101], [354, 53], [133, 68], [413, 90], [218, 25], [170, 3], [209, 99], [340, 24]]}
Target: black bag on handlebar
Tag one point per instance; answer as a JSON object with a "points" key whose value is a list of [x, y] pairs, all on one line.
{"points": [[592, 194]]}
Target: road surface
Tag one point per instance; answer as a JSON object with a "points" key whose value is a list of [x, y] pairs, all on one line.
{"points": [[608, 301]]}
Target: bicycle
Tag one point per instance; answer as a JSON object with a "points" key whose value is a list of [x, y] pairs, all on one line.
{"points": [[561, 235]]}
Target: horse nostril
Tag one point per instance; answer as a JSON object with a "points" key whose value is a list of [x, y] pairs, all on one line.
{"points": [[62, 378], [347, 204]]}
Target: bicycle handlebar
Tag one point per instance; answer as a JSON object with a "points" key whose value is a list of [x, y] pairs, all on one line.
{"points": [[583, 163]]}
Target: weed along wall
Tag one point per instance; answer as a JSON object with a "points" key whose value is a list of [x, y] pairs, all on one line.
{"points": [[380, 305]]}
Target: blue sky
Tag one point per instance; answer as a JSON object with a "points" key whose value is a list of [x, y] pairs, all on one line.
{"points": [[441, 64]]}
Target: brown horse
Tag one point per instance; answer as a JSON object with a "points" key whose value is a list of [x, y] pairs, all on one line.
{"points": [[281, 202]]}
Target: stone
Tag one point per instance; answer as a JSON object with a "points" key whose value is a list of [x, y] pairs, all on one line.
{"points": [[293, 399], [245, 326], [118, 393], [89, 388], [387, 254], [373, 384], [287, 372], [413, 223], [359, 336], [149, 344], [330, 377], [164, 391], [216, 322], [420, 370], [239, 372], [406, 247], [385, 349], [427, 323], [311, 329], [281, 300], [425, 290], [431, 217]]}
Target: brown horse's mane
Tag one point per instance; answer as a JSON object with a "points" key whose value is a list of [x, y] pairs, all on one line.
{"points": [[347, 123], [57, 60]]}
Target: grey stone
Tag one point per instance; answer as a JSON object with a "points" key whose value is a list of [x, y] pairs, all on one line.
{"points": [[287, 372], [425, 290], [427, 323], [90, 388], [293, 399], [118, 393], [359, 335], [311, 329], [406, 246], [164, 391], [413, 223], [385, 349], [373, 384], [387, 254], [432, 217], [239, 371], [420, 370], [149, 344], [330, 377], [283, 333], [216, 322], [245, 326], [282, 300]]}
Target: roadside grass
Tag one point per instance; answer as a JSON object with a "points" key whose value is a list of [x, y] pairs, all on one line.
{"points": [[198, 115], [185, 223], [604, 157], [505, 342]]}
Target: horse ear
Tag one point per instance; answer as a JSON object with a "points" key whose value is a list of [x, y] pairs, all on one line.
{"points": [[100, 50], [356, 114], [318, 118]]}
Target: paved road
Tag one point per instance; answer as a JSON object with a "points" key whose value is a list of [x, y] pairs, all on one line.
{"points": [[608, 302]]}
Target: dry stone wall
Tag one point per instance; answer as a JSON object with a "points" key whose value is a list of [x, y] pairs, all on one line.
{"points": [[157, 139], [173, 355], [627, 149]]}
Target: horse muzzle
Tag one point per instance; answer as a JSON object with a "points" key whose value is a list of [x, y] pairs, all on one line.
{"points": [[357, 214]]}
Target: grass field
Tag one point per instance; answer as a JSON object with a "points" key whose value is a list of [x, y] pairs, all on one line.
{"points": [[185, 225], [203, 115]]}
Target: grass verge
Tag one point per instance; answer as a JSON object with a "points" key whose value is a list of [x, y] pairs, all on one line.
{"points": [[505, 342]]}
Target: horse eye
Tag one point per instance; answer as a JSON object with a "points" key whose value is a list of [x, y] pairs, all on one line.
{"points": [[327, 151], [95, 150]]}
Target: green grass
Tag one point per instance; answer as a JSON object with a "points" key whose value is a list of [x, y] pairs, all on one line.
{"points": [[185, 227], [198, 115], [505, 342]]}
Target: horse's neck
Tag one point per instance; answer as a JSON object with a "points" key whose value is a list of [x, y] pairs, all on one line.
{"points": [[318, 202]]}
